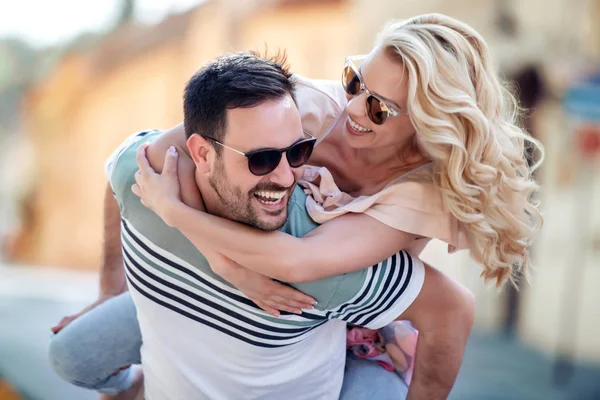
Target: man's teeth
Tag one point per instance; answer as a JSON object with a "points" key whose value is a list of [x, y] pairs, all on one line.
{"points": [[356, 126], [269, 197]]}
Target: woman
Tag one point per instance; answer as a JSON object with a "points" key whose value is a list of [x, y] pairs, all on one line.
{"points": [[428, 147]]}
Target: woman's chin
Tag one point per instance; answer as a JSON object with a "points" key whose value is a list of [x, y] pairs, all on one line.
{"points": [[358, 141]]}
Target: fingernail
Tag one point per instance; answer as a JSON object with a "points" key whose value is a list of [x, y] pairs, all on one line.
{"points": [[173, 150]]}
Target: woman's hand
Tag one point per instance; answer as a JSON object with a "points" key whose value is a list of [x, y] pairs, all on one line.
{"points": [[267, 293], [158, 192]]}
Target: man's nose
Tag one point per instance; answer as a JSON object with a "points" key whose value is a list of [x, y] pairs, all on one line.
{"points": [[284, 174]]}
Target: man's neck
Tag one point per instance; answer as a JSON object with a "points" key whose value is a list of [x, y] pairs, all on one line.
{"points": [[210, 199]]}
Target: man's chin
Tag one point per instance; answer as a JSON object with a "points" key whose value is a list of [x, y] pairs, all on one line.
{"points": [[269, 217], [270, 221]]}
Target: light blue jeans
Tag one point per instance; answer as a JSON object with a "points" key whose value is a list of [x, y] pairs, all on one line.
{"points": [[89, 350]]}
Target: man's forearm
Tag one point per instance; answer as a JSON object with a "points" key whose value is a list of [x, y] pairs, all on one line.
{"points": [[112, 272]]}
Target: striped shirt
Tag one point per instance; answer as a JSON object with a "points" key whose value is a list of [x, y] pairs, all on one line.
{"points": [[203, 338]]}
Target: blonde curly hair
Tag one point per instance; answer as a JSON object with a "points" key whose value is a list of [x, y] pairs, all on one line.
{"points": [[467, 123]]}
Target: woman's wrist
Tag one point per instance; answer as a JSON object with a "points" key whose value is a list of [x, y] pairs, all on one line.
{"points": [[171, 211]]}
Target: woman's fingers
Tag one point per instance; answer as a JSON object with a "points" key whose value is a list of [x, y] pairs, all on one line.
{"points": [[271, 310], [170, 167], [290, 303], [142, 161], [283, 307], [135, 188], [293, 297]]}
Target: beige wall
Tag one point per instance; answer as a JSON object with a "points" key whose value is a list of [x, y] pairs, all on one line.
{"points": [[100, 110], [315, 37]]}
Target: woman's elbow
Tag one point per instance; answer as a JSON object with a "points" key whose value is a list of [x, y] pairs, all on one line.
{"points": [[295, 271]]}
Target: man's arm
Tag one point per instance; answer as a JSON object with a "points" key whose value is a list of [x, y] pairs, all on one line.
{"points": [[112, 271], [443, 313]]}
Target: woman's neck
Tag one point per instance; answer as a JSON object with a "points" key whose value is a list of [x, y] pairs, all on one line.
{"points": [[358, 172], [386, 162]]}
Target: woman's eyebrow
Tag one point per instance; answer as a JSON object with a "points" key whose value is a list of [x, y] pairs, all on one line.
{"points": [[377, 94]]}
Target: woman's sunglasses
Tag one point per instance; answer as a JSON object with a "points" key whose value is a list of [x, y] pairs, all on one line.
{"points": [[377, 109], [264, 161]]}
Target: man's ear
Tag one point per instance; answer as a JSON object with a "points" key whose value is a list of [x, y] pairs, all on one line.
{"points": [[202, 153]]}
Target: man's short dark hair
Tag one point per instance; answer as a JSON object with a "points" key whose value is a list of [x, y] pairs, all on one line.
{"points": [[240, 80]]}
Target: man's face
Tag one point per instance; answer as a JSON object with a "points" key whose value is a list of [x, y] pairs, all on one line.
{"points": [[259, 201]]}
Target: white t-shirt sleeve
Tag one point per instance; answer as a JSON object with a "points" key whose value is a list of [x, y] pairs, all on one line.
{"points": [[380, 293], [405, 299]]}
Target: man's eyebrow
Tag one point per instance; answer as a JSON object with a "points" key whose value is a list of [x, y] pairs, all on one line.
{"points": [[275, 148], [378, 95]]}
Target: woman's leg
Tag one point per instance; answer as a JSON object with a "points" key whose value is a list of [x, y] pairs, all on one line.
{"points": [[89, 350]]}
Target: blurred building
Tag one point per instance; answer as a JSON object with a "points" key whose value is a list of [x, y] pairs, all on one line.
{"points": [[133, 79]]}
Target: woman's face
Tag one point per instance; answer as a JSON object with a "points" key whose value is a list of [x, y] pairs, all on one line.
{"points": [[387, 79]]}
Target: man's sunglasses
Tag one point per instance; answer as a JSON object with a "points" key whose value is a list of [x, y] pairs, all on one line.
{"points": [[377, 109], [264, 161]]}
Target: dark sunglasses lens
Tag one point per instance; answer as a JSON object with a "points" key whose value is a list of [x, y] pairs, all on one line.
{"points": [[264, 162], [377, 112], [351, 81], [299, 154]]}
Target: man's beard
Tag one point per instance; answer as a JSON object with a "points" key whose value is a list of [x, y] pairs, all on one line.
{"points": [[237, 206]]}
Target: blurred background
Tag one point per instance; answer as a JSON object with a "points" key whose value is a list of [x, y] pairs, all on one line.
{"points": [[76, 78]]}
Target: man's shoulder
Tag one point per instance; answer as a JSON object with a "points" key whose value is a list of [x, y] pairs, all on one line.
{"points": [[122, 160], [299, 222], [121, 166], [144, 234]]}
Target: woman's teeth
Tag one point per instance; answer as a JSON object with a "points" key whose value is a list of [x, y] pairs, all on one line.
{"points": [[269, 197], [357, 127]]}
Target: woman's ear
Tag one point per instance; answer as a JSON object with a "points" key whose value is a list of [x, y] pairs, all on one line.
{"points": [[201, 152]]}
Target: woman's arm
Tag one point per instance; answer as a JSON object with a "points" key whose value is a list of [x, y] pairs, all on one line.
{"points": [[347, 243]]}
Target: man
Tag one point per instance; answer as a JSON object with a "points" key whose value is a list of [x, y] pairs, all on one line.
{"points": [[201, 337]]}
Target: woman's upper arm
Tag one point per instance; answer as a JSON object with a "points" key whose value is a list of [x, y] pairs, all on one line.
{"points": [[348, 243], [155, 153]]}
